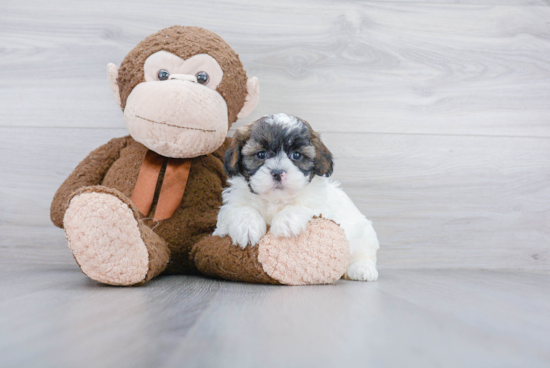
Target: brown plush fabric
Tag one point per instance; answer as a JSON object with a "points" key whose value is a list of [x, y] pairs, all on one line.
{"points": [[196, 215], [218, 257], [186, 42], [158, 252], [114, 167], [90, 171]]}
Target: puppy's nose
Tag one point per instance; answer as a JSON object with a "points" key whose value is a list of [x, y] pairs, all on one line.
{"points": [[277, 174]]}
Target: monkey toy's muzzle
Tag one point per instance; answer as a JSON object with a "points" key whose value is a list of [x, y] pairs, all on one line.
{"points": [[176, 118]]}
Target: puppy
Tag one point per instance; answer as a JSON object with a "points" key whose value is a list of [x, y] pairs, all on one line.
{"points": [[278, 171]]}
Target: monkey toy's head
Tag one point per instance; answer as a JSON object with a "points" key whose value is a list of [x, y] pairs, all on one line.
{"points": [[181, 89]]}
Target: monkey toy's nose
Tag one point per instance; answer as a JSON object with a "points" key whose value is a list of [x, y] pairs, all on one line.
{"points": [[183, 77], [277, 174]]}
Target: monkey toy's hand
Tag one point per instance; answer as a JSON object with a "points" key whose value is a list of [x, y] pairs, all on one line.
{"points": [[318, 255], [290, 221]]}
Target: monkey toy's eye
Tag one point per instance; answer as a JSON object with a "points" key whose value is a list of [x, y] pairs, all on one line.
{"points": [[163, 75], [202, 77], [296, 156], [261, 155]]}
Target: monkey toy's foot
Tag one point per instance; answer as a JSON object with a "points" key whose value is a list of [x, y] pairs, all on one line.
{"points": [[319, 255], [109, 241]]}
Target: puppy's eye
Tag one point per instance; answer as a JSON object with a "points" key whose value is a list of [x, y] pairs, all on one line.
{"points": [[296, 156], [163, 75], [202, 77], [261, 155]]}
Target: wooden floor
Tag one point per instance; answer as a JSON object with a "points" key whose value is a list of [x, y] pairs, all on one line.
{"points": [[54, 316], [438, 115]]}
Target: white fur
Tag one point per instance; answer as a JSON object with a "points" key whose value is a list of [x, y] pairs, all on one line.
{"points": [[292, 182], [283, 119], [245, 215]]}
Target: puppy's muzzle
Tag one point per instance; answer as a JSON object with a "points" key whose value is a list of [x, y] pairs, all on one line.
{"points": [[277, 175]]}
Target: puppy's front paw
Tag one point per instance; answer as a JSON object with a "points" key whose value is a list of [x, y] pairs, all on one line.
{"points": [[247, 228], [362, 271], [289, 223]]}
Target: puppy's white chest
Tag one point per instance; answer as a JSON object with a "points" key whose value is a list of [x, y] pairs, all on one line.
{"points": [[270, 210]]}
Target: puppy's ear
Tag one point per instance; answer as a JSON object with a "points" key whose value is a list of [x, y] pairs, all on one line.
{"points": [[232, 160], [323, 157]]}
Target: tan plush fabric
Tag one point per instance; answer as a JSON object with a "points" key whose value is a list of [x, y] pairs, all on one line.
{"points": [[112, 72], [319, 255], [252, 97], [109, 242], [186, 42], [180, 120]]}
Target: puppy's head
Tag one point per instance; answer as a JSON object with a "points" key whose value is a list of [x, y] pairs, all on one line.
{"points": [[277, 155]]}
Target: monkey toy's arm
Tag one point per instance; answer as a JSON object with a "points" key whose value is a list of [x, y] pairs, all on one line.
{"points": [[90, 171]]}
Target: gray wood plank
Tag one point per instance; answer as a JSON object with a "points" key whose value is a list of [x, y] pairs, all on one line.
{"points": [[436, 201], [472, 2], [437, 112], [451, 202], [95, 325], [56, 317], [381, 324], [346, 66]]}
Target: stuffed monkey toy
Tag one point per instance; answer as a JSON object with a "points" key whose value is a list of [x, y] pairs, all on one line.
{"points": [[147, 203]]}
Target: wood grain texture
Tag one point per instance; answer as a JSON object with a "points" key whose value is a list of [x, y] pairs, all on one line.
{"points": [[56, 317], [436, 201], [472, 2], [449, 200], [438, 114], [349, 66]]}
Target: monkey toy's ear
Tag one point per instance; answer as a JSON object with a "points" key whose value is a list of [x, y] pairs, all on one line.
{"points": [[112, 73], [252, 97]]}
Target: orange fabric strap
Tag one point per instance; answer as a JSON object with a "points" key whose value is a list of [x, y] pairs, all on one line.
{"points": [[144, 191], [173, 185]]}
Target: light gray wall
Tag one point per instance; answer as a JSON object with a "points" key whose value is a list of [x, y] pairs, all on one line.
{"points": [[438, 112]]}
